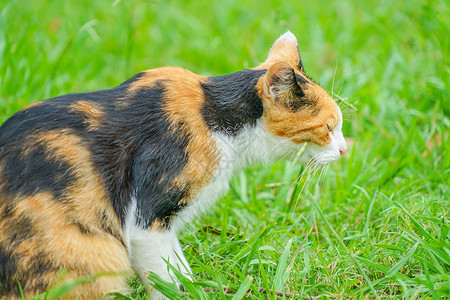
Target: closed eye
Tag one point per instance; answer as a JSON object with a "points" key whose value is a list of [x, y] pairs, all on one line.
{"points": [[328, 127]]}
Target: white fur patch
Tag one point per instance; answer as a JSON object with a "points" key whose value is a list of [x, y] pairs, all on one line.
{"points": [[288, 37], [149, 249]]}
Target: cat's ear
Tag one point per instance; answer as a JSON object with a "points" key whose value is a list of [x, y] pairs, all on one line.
{"points": [[285, 48], [281, 84]]}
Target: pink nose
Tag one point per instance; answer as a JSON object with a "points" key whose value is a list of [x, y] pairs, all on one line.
{"points": [[342, 151]]}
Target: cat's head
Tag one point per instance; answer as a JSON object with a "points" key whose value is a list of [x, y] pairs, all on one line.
{"points": [[296, 108]]}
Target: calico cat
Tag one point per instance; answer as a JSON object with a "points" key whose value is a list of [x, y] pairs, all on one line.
{"points": [[100, 182]]}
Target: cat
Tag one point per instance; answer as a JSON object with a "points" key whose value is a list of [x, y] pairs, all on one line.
{"points": [[100, 182]]}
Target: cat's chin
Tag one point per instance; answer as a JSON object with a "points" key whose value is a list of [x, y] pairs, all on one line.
{"points": [[326, 161], [315, 155], [316, 162]]}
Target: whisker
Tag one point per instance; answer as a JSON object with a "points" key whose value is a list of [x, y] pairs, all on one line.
{"points": [[279, 145], [345, 101], [310, 170], [298, 179], [343, 86], [307, 168], [347, 112], [321, 174], [299, 153], [334, 76], [316, 168], [318, 165], [340, 88]]}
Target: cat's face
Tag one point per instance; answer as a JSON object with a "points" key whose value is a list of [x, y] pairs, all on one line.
{"points": [[296, 108]]}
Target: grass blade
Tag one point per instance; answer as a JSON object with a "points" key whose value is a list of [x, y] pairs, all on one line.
{"points": [[168, 289], [243, 288], [402, 261], [282, 273]]}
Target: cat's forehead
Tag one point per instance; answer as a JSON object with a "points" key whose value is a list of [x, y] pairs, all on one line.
{"points": [[324, 105]]}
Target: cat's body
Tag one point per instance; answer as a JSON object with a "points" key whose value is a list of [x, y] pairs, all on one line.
{"points": [[100, 182]]}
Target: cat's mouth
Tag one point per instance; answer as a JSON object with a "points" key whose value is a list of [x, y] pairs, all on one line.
{"points": [[315, 155]]}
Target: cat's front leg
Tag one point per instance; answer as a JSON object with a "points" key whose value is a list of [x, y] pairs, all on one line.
{"points": [[181, 262], [149, 252]]}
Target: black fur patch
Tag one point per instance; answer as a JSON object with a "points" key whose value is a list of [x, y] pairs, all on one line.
{"points": [[231, 101], [151, 156], [8, 267], [300, 100], [7, 209], [138, 153], [300, 64], [18, 229], [104, 225], [12, 272], [40, 263], [301, 80], [51, 114], [29, 173], [157, 165]]}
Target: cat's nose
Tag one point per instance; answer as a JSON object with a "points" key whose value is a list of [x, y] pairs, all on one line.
{"points": [[342, 151]]}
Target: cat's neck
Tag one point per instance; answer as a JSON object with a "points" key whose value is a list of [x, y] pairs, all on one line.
{"points": [[232, 101], [251, 145]]}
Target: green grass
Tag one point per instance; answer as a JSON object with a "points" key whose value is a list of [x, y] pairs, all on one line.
{"points": [[379, 220]]}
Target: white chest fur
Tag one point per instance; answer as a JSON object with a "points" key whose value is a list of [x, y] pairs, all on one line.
{"points": [[252, 144]]}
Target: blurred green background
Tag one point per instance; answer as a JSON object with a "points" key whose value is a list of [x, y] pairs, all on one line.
{"points": [[380, 214]]}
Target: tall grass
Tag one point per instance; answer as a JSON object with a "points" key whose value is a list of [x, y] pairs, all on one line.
{"points": [[377, 225]]}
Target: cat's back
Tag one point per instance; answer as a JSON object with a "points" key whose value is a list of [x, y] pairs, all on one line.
{"points": [[71, 111], [80, 112]]}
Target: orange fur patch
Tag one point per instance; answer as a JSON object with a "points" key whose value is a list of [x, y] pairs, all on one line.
{"points": [[151, 77], [31, 105], [147, 81], [183, 102], [92, 112]]}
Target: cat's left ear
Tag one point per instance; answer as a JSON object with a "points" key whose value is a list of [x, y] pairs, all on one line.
{"points": [[285, 48], [281, 84]]}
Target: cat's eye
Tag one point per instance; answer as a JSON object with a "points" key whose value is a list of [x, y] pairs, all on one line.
{"points": [[328, 127]]}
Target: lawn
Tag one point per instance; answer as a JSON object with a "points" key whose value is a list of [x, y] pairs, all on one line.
{"points": [[376, 225]]}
